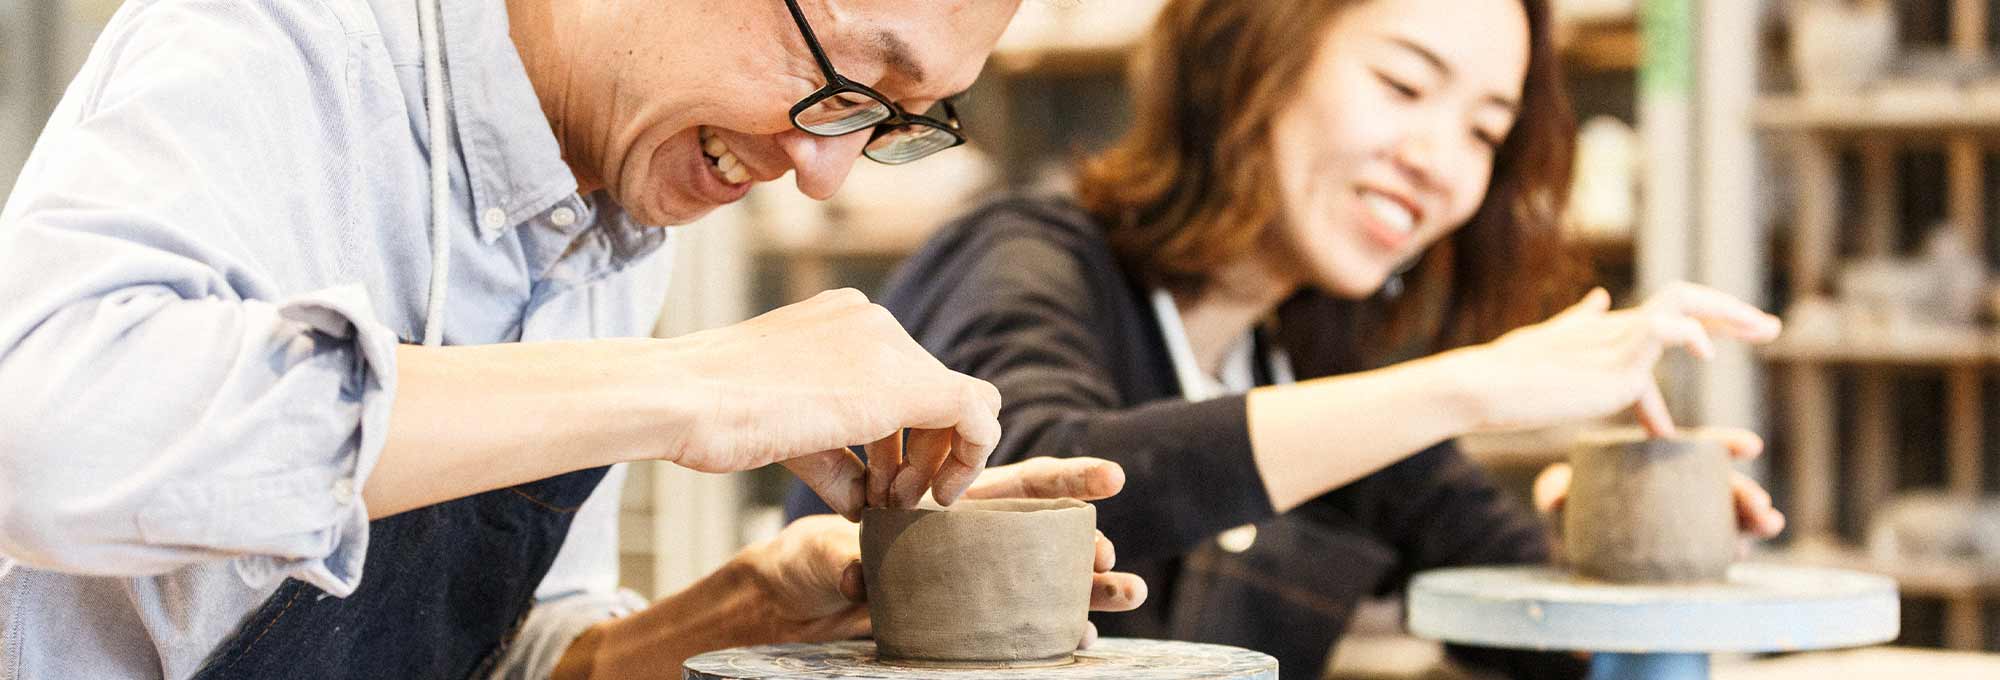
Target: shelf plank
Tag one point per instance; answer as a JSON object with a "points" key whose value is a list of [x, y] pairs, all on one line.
{"points": [[1928, 577], [1865, 113], [1969, 349], [1611, 44]]}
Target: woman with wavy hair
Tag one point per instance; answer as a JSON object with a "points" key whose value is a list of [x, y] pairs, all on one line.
{"points": [[1311, 191]]}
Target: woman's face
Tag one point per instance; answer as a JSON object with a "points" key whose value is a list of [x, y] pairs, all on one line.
{"points": [[1390, 144]]}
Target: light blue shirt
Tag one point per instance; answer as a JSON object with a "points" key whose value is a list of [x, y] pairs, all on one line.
{"points": [[205, 269]]}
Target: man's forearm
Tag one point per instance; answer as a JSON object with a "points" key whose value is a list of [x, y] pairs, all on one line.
{"points": [[472, 419]]}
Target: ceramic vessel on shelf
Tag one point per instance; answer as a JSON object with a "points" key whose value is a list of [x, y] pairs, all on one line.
{"points": [[1839, 46]]}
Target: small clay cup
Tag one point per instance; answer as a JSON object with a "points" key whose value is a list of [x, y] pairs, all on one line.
{"points": [[1644, 510], [982, 584]]}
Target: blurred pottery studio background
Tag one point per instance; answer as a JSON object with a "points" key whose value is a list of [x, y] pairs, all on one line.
{"points": [[1836, 161]]}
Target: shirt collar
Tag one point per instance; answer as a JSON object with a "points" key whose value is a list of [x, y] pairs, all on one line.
{"points": [[512, 162]]}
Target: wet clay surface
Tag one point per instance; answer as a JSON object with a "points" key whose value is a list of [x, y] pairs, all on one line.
{"points": [[991, 584], [1650, 510]]}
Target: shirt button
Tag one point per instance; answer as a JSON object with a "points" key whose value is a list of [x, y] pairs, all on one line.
{"points": [[343, 491], [1238, 539], [493, 218], [563, 217]]}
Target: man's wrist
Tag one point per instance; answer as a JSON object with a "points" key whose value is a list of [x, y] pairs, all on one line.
{"points": [[579, 660], [722, 610]]}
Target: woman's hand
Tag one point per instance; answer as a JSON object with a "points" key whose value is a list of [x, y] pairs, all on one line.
{"points": [[1754, 513], [1588, 361]]}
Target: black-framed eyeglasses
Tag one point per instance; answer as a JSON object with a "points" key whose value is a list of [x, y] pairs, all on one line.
{"points": [[845, 107]]}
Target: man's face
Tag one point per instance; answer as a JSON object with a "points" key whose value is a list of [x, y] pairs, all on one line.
{"points": [[701, 91]]}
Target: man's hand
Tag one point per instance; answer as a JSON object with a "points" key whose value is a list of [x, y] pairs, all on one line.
{"points": [[1754, 513], [800, 384]]}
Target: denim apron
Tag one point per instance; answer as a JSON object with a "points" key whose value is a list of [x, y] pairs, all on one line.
{"points": [[443, 591]]}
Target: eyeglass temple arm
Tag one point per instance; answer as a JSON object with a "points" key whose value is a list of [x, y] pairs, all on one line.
{"points": [[812, 43]]}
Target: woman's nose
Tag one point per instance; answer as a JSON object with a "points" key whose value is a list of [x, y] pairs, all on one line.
{"points": [[822, 163]]}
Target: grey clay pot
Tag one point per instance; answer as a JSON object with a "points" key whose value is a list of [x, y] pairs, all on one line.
{"points": [[1650, 510], [993, 584]]}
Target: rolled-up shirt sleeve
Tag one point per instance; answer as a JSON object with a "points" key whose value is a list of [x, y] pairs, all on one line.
{"points": [[164, 398]]}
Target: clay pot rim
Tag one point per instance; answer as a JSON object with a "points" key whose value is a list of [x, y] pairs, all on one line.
{"points": [[1624, 436], [993, 506]]}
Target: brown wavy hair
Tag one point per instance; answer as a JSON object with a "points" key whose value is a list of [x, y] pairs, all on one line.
{"points": [[1193, 184]]}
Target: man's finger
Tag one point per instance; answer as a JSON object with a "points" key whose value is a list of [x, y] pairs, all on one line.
{"points": [[976, 435], [959, 470], [1086, 479], [924, 452], [837, 476], [1107, 556], [1652, 412], [885, 456], [1116, 592], [852, 583]]}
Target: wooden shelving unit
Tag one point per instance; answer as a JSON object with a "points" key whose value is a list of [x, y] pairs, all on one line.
{"points": [[1875, 115], [1602, 45], [1815, 132]]}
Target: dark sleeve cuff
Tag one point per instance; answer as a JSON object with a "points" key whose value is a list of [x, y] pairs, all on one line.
{"points": [[1189, 474]]}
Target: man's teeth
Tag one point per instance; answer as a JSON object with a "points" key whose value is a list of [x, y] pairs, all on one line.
{"points": [[726, 164], [1389, 212]]}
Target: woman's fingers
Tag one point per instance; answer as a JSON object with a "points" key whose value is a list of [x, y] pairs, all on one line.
{"points": [[1089, 635], [1754, 512], [1116, 592], [1652, 412], [1552, 487], [1742, 444], [1674, 330], [1720, 311], [1597, 301]]}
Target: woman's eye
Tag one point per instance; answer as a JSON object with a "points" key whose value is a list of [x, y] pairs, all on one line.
{"points": [[1405, 90], [1490, 140]]}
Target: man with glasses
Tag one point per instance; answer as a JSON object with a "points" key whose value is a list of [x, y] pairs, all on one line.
{"points": [[225, 454]]}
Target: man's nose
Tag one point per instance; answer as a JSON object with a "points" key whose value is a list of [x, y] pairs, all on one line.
{"points": [[821, 163]]}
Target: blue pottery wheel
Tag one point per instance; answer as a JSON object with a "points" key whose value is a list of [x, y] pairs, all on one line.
{"points": [[1654, 632]]}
